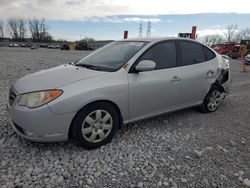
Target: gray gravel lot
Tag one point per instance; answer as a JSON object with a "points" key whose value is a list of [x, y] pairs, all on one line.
{"points": [[182, 149]]}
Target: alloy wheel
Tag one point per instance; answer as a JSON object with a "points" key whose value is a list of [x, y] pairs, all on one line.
{"points": [[214, 100], [97, 126]]}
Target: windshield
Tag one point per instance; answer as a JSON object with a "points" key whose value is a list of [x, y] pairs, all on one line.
{"points": [[236, 49], [112, 56]]}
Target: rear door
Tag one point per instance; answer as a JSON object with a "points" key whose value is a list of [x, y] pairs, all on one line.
{"points": [[198, 71]]}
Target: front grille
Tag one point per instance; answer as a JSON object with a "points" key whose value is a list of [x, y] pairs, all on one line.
{"points": [[12, 96]]}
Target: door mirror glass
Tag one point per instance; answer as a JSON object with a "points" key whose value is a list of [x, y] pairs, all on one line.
{"points": [[145, 65]]}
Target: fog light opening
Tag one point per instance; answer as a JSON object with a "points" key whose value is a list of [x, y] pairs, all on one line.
{"points": [[30, 134]]}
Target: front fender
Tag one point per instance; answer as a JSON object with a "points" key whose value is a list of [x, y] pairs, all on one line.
{"points": [[111, 87]]}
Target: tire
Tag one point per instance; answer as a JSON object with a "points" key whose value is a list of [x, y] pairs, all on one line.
{"points": [[95, 125], [212, 100]]}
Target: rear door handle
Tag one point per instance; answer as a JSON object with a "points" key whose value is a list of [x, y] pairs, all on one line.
{"points": [[175, 79], [210, 73]]}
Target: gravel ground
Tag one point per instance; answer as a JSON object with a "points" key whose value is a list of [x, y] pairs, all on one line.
{"points": [[182, 149]]}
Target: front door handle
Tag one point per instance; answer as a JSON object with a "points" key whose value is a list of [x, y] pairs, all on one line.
{"points": [[175, 79]]}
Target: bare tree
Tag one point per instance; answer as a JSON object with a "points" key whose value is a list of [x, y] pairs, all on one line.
{"points": [[13, 28], [1, 29], [230, 32], [39, 30], [89, 39], [17, 28], [242, 34], [212, 39], [34, 28], [245, 33], [21, 28]]}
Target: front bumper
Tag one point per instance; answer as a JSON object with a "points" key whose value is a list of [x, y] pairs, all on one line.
{"points": [[39, 124]]}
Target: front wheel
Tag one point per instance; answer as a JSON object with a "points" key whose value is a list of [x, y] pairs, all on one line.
{"points": [[95, 125], [212, 100]]}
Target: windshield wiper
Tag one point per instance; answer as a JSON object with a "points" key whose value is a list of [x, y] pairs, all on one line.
{"points": [[93, 67], [73, 63], [89, 66]]}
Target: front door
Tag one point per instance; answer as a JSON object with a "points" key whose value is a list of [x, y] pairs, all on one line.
{"points": [[153, 92]]}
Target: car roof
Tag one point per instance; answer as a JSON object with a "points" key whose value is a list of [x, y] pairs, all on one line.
{"points": [[151, 39]]}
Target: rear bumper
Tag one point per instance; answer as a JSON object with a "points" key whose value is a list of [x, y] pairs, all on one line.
{"points": [[227, 87], [227, 84]]}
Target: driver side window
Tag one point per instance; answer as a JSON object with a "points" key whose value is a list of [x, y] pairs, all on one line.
{"points": [[163, 54]]}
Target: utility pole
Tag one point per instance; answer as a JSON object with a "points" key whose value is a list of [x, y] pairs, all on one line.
{"points": [[149, 29], [140, 31]]}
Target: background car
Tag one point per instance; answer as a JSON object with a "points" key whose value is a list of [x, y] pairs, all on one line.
{"points": [[238, 51], [54, 46], [247, 58], [28, 45], [224, 48], [43, 46], [65, 47], [33, 47]]}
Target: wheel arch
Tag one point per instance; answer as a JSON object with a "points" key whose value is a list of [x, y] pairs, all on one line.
{"points": [[91, 103], [216, 83]]}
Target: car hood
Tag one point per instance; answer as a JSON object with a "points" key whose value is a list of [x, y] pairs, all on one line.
{"points": [[54, 78]]}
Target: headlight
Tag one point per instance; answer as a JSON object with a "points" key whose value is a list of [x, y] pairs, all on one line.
{"points": [[39, 98]]}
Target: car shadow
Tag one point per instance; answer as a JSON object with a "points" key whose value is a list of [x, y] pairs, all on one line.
{"points": [[167, 121]]}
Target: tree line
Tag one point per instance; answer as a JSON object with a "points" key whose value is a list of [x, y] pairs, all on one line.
{"points": [[38, 30], [18, 29], [230, 34]]}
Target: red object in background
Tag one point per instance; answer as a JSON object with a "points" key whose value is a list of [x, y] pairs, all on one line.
{"points": [[193, 35], [224, 48], [243, 64], [125, 35]]}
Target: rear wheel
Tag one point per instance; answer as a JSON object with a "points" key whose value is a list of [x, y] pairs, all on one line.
{"points": [[95, 125], [213, 100]]}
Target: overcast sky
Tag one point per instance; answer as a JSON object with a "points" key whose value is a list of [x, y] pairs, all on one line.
{"points": [[106, 19]]}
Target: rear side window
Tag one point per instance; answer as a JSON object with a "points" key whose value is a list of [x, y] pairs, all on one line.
{"points": [[163, 54], [209, 54], [192, 53]]}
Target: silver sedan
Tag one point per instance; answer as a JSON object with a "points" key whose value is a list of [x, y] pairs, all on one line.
{"points": [[123, 82]]}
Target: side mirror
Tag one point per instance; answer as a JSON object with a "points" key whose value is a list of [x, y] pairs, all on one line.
{"points": [[145, 65]]}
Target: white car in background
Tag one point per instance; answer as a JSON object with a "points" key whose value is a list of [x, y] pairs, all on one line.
{"points": [[247, 58], [54, 46]]}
